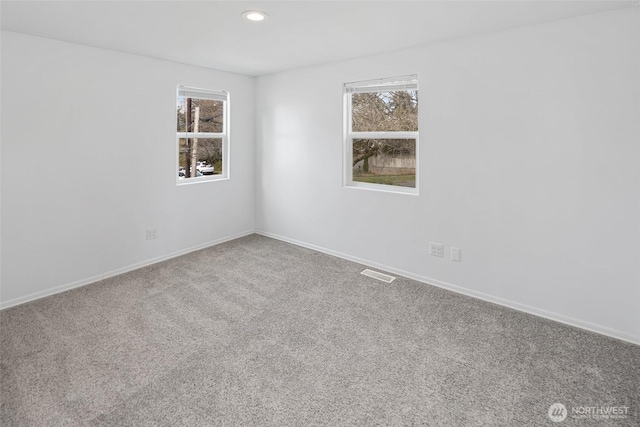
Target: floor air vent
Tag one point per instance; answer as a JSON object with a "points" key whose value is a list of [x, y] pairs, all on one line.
{"points": [[379, 276]]}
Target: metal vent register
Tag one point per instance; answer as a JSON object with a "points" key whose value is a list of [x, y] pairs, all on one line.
{"points": [[379, 276]]}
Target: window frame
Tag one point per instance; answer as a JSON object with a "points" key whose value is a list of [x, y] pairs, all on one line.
{"points": [[408, 82], [199, 93]]}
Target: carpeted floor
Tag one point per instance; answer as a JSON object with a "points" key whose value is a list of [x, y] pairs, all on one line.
{"points": [[257, 332]]}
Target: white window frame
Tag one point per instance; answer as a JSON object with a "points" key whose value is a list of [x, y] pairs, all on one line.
{"points": [[409, 82], [199, 93]]}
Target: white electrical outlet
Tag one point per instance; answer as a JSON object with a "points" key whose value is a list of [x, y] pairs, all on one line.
{"points": [[455, 254], [436, 249], [152, 233]]}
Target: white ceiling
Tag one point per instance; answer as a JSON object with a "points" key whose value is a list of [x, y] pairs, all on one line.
{"points": [[299, 33]]}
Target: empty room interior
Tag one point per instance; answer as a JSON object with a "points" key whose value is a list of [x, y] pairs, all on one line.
{"points": [[320, 213]]}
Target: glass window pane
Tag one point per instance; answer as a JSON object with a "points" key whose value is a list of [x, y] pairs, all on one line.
{"points": [[208, 113], [385, 111], [180, 107], [385, 161], [199, 157]]}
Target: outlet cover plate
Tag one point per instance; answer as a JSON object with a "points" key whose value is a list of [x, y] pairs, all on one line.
{"points": [[436, 249]]}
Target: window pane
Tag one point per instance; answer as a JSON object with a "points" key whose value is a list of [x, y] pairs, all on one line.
{"points": [[180, 107], [385, 161], [385, 111], [209, 114], [198, 157]]}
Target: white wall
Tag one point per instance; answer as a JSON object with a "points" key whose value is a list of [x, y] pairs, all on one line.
{"points": [[89, 163], [528, 162]]}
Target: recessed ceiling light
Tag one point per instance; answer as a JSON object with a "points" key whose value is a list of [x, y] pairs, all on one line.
{"points": [[254, 15]]}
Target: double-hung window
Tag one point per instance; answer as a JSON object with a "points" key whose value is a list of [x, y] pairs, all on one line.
{"points": [[202, 134], [381, 134]]}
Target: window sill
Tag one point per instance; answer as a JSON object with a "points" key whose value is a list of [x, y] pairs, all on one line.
{"points": [[201, 180], [382, 188]]}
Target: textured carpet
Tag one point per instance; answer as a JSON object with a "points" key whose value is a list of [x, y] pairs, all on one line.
{"points": [[257, 332]]}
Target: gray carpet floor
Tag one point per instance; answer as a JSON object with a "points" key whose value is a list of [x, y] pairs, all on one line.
{"points": [[257, 332]]}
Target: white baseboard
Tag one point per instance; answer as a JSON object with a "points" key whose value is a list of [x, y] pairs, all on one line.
{"points": [[96, 278], [592, 327]]}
